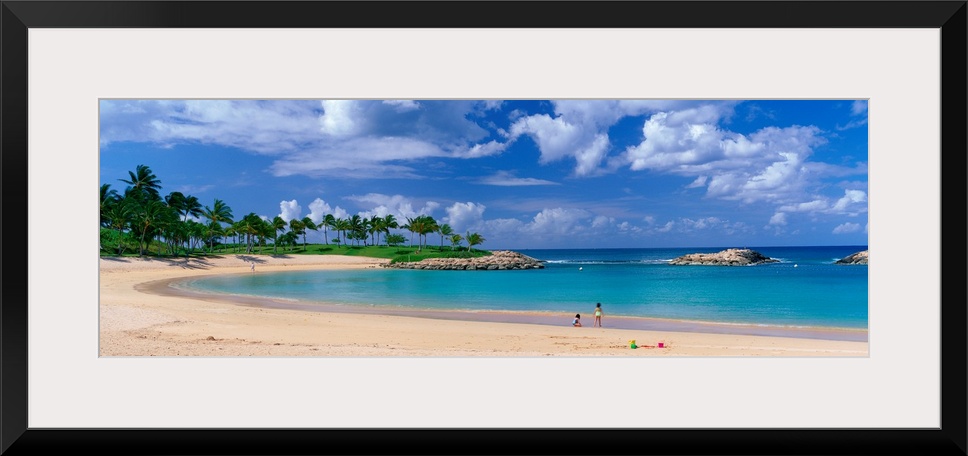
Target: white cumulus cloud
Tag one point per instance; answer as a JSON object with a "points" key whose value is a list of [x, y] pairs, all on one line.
{"points": [[482, 150], [346, 138], [850, 198], [403, 105], [767, 165], [465, 216], [602, 221], [817, 205], [340, 117], [266, 127], [360, 157], [507, 179], [847, 228], [858, 112], [319, 209], [699, 182], [401, 207], [289, 210], [556, 138], [778, 219], [559, 221]]}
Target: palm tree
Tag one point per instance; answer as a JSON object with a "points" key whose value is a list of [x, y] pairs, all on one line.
{"points": [[288, 239], [148, 217], [108, 198], [120, 214], [444, 230], [196, 233], [376, 227], [250, 227], [231, 232], [341, 226], [389, 221], [176, 201], [455, 240], [366, 227], [473, 239], [265, 230], [173, 231], [215, 230], [278, 224], [328, 221], [144, 182], [411, 226], [425, 225], [357, 227], [218, 213], [239, 229], [191, 206], [297, 226], [184, 205], [308, 224]]}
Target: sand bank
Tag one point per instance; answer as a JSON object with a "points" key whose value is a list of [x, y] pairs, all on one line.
{"points": [[136, 319]]}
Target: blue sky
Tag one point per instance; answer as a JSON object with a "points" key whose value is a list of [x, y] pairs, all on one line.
{"points": [[522, 173]]}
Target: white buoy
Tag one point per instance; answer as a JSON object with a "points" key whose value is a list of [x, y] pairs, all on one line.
{"points": [[795, 266], [579, 268]]}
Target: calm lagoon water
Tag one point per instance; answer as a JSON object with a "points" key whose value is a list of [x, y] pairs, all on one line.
{"points": [[806, 289]]}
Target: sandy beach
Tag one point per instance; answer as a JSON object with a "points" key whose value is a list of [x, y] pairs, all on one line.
{"points": [[141, 316]]}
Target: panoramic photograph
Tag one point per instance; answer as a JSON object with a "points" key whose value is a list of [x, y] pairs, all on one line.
{"points": [[483, 228]]}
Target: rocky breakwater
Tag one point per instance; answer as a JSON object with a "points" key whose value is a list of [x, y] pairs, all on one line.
{"points": [[728, 257], [856, 258], [498, 260]]}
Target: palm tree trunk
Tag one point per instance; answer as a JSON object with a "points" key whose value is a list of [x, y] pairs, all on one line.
{"points": [[120, 243]]}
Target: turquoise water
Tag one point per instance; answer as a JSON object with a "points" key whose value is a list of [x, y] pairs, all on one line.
{"points": [[804, 290]]}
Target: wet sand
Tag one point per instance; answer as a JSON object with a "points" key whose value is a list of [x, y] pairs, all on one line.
{"points": [[173, 287]]}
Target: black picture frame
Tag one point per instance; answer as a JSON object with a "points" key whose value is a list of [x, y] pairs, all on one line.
{"points": [[17, 17]]}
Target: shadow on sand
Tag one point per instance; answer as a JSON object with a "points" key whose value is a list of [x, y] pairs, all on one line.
{"points": [[117, 259], [186, 263], [250, 259]]}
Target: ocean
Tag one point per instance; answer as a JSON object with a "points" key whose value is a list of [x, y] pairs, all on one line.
{"points": [[804, 290]]}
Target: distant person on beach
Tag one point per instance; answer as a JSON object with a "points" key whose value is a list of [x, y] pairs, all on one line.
{"points": [[577, 320], [253, 266], [598, 315]]}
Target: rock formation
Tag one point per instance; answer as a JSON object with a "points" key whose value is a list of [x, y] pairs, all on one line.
{"points": [[728, 257], [498, 260], [856, 258]]}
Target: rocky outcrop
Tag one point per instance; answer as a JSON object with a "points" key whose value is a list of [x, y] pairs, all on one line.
{"points": [[728, 257], [498, 260], [856, 258]]}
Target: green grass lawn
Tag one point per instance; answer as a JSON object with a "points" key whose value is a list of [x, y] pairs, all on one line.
{"points": [[395, 254]]}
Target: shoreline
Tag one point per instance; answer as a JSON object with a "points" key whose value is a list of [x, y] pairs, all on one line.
{"points": [[141, 315], [168, 287]]}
